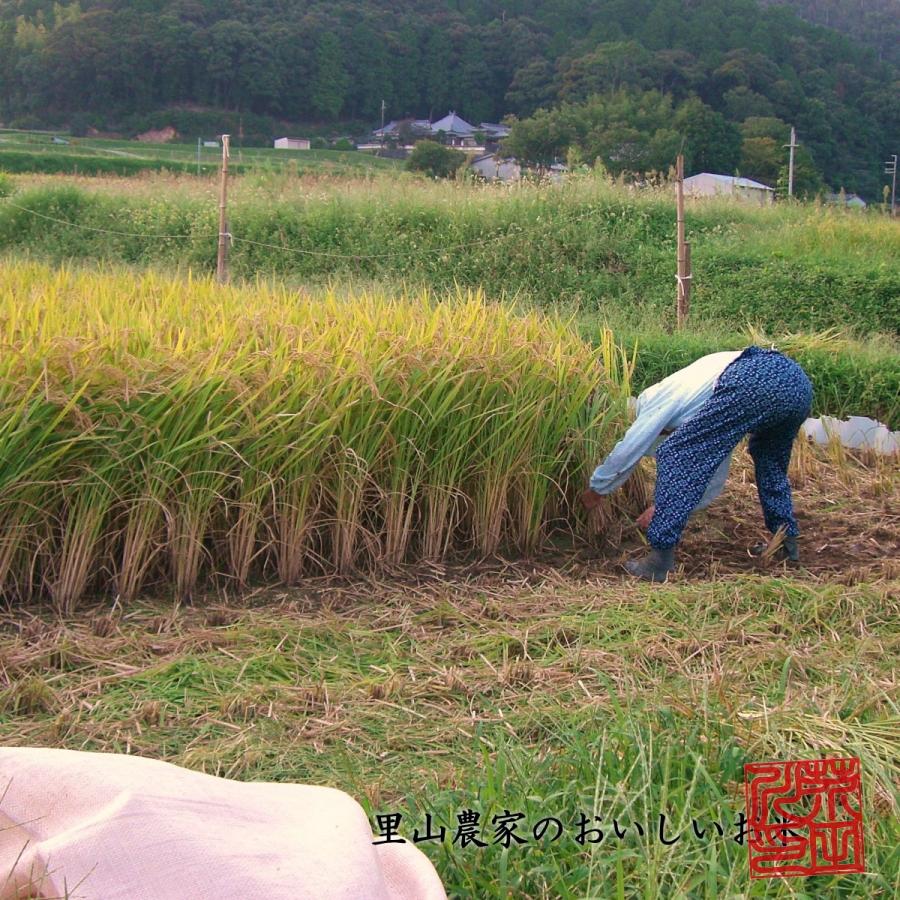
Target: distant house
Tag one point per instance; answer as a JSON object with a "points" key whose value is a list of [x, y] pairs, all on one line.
{"points": [[418, 127], [288, 143], [456, 130], [493, 131], [452, 129], [852, 200], [709, 185], [495, 168]]}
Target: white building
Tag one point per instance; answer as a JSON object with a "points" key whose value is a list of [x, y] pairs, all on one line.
{"points": [[287, 143], [708, 185]]}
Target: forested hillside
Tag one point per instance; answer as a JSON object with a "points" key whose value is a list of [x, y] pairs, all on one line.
{"points": [[875, 23], [115, 64]]}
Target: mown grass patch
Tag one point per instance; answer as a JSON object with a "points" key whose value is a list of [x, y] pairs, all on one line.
{"points": [[551, 687]]}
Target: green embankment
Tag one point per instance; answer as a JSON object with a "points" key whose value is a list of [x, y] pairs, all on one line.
{"points": [[585, 243]]}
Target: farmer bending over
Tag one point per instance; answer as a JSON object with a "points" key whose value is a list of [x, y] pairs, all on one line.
{"points": [[697, 416]]}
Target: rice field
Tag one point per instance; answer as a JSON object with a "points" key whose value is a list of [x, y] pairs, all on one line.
{"points": [[157, 431]]}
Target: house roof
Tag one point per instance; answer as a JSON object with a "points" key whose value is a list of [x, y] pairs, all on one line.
{"points": [[732, 180], [494, 128], [849, 199], [453, 124], [393, 126]]}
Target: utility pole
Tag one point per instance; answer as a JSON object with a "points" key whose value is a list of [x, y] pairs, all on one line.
{"points": [[793, 146], [682, 297], [890, 168], [222, 261], [199, 140], [382, 124]]}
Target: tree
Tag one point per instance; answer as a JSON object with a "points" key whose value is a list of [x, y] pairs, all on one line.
{"points": [[370, 80], [328, 90], [611, 67], [631, 131], [761, 159], [532, 87], [711, 142], [223, 53], [473, 83], [435, 159], [541, 139], [742, 103], [405, 68], [436, 66]]}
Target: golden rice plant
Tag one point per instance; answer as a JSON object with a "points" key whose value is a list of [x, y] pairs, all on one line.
{"points": [[162, 432]]}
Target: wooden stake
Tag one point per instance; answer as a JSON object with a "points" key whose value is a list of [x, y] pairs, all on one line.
{"points": [[680, 308], [686, 285], [224, 236]]}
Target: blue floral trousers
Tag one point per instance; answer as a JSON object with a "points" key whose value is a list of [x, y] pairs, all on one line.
{"points": [[761, 393]]}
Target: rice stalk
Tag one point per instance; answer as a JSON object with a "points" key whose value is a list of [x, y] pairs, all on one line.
{"points": [[164, 431]]}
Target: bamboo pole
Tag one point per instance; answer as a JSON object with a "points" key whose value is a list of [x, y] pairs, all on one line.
{"points": [[680, 309], [222, 260]]}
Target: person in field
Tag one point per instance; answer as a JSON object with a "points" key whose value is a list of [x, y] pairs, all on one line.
{"points": [[696, 417]]}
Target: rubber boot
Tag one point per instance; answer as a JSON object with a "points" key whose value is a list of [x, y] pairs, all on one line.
{"points": [[789, 549], [655, 566]]}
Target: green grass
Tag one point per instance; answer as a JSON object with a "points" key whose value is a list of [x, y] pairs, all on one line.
{"points": [[850, 377]]}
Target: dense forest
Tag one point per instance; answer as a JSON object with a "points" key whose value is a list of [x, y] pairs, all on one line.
{"points": [[748, 71], [875, 23]]}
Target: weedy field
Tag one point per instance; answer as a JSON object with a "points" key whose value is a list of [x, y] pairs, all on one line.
{"points": [[550, 687], [584, 244], [821, 282]]}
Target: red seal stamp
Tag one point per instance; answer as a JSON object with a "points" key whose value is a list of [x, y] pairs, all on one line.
{"points": [[804, 817]]}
